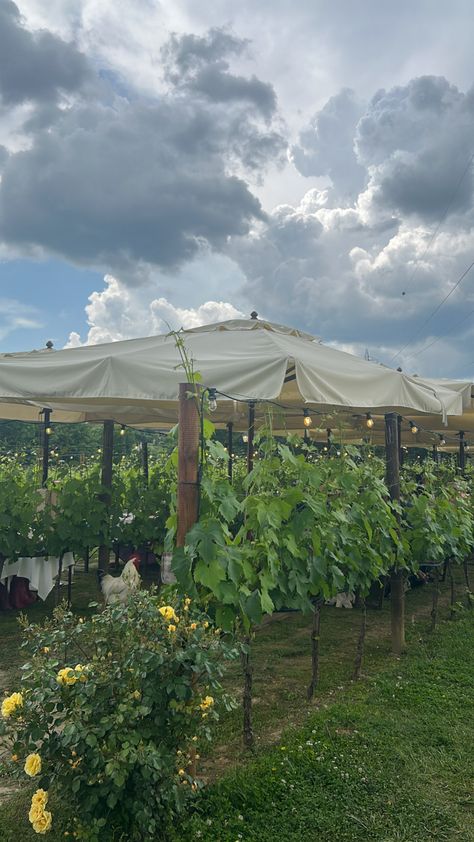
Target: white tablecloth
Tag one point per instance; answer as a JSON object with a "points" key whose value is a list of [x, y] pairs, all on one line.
{"points": [[40, 572]]}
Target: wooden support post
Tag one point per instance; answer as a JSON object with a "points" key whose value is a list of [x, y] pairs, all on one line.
{"points": [[462, 452], [397, 581], [144, 450], [251, 433], [230, 449], [106, 481], [328, 445], [45, 445], [188, 460], [400, 448], [435, 453]]}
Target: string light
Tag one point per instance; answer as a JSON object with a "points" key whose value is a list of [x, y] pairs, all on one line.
{"points": [[369, 421], [49, 431], [307, 420], [212, 399], [442, 440], [122, 430], [245, 438], [413, 428]]}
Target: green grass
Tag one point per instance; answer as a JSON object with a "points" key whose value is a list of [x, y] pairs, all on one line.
{"points": [[387, 759]]}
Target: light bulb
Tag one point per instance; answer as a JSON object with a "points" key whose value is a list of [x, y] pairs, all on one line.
{"points": [[212, 404], [122, 430], [307, 420], [413, 428], [245, 438], [325, 450], [442, 441], [369, 421], [49, 431]]}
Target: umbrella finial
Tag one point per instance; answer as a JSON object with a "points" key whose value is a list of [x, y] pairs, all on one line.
{"points": [[49, 344], [254, 314]]}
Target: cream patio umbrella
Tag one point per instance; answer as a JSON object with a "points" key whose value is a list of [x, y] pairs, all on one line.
{"points": [[136, 381]]}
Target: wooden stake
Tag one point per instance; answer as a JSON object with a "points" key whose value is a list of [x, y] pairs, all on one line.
{"points": [[45, 442], [230, 449], [397, 579], [188, 460], [315, 636], [106, 481], [251, 433], [145, 461]]}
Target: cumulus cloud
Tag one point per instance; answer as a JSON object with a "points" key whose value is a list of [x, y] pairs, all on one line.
{"points": [[115, 183], [326, 145], [36, 66], [121, 312]]}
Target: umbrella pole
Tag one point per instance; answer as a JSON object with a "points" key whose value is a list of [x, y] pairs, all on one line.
{"points": [[106, 482], [188, 460], [399, 433], [251, 431], [397, 582], [230, 449]]}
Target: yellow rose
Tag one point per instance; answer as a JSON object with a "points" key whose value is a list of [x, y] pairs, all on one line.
{"points": [[171, 627], [33, 765], [137, 694], [206, 703], [11, 703], [36, 811], [45, 650], [40, 797], [205, 625], [193, 626], [181, 772], [66, 676], [43, 822], [168, 612]]}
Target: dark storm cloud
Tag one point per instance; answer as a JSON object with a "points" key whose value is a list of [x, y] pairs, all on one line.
{"points": [[124, 183], [200, 64], [35, 66]]}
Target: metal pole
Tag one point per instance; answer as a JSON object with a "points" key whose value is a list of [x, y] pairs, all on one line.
{"points": [[230, 449], [45, 442], [251, 432], [106, 482], [462, 452], [188, 460], [397, 582]]}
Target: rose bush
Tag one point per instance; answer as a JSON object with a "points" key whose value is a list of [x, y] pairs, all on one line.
{"points": [[116, 736]]}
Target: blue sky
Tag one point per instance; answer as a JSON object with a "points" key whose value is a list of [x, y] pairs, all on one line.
{"points": [[50, 293]]}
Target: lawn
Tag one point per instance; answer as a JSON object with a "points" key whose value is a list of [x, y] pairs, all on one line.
{"points": [[387, 759]]}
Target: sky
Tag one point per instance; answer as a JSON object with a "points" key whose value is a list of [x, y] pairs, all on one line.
{"points": [[169, 164]]}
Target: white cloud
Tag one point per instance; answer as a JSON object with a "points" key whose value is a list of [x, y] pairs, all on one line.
{"points": [[122, 312]]}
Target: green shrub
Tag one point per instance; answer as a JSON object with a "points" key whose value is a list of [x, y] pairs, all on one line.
{"points": [[115, 708]]}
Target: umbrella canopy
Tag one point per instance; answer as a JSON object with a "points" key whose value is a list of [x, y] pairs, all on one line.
{"points": [[136, 381]]}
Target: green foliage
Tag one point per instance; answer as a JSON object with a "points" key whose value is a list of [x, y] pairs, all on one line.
{"points": [[117, 732]]}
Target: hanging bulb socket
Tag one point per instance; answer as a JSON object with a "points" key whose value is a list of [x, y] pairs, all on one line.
{"points": [[307, 420], [442, 441], [413, 428], [369, 421], [212, 399]]}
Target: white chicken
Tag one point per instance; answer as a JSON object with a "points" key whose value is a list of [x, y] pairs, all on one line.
{"points": [[118, 588]]}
